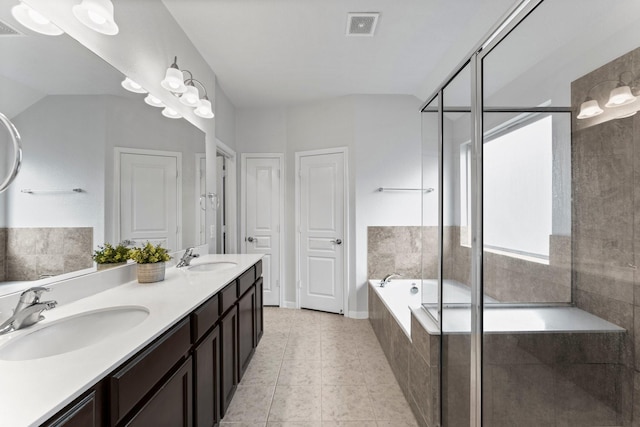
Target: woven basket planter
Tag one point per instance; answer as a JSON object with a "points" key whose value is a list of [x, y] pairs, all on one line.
{"points": [[149, 273], [101, 267]]}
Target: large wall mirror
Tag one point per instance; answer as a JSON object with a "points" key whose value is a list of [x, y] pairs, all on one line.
{"points": [[99, 165]]}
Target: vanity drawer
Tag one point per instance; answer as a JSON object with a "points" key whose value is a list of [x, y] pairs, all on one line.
{"points": [[258, 269], [245, 280], [228, 296], [139, 376], [204, 317]]}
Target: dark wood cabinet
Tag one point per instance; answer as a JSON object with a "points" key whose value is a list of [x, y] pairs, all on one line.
{"points": [[85, 411], [187, 376], [206, 360], [259, 311], [246, 329], [229, 359], [138, 377], [172, 404]]}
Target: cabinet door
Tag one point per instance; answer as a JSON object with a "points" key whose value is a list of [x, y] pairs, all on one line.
{"points": [[207, 380], [246, 329], [259, 311], [87, 412], [172, 404], [229, 352]]}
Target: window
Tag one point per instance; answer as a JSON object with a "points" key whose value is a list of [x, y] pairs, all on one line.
{"points": [[517, 187]]}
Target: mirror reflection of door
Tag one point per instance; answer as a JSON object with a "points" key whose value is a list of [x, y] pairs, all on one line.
{"points": [[221, 232], [201, 202], [150, 200]]}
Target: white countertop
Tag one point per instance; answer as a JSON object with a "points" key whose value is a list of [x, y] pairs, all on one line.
{"points": [[32, 391]]}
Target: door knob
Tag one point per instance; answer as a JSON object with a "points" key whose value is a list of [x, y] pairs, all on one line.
{"points": [[337, 241], [251, 239]]}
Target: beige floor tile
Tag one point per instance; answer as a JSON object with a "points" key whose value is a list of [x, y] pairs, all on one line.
{"points": [[295, 424], [250, 404], [296, 403], [346, 403], [397, 423], [307, 350], [349, 424], [225, 424], [300, 372], [342, 372], [389, 403], [262, 372], [332, 351], [376, 370]]}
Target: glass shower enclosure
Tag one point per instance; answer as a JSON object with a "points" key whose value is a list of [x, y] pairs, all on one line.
{"points": [[533, 147]]}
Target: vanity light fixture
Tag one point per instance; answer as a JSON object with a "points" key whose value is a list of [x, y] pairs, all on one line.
{"points": [[34, 20], [132, 86], [97, 15], [173, 79], [186, 90], [622, 94], [171, 113], [153, 101]]}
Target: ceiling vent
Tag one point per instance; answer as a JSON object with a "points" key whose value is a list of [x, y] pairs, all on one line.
{"points": [[362, 24], [6, 30]]}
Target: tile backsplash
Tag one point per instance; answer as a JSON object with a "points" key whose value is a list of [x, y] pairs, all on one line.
{"points": [[34, 253]]}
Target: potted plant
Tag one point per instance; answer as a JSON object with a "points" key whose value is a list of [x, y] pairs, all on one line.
{"points": [[107, 255], [150, 260]]}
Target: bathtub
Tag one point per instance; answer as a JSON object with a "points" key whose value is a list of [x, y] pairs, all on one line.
{"points": [[401, 302]]}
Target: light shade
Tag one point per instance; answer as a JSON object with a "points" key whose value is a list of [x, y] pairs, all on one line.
{"points": [[190, 97], [132, 86], [34, 20], [97, 15], [153, 101], [173, 81], [204, 109], [171, 113], [620, 96], [589, 108]]}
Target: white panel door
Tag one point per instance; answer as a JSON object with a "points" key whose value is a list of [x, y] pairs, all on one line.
{"points": [[262, 228], [321, 216], [149, 199]]}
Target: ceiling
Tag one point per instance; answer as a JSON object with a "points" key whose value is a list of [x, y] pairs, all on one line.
{"points": [[287, 52]]}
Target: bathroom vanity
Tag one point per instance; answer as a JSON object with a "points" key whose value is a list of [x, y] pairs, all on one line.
{"points": [[179, 366]]}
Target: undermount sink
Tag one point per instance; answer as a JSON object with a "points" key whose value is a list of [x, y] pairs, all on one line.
{"points": [[73, 333], [213, 266]]}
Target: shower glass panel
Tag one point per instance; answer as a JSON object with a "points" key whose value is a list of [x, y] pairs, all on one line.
{"points": [[456, 268], [558, 225], [431, 237]]}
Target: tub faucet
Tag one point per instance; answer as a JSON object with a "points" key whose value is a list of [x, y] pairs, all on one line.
{"points": [[185, 261], [388, 278], [28, 310]]}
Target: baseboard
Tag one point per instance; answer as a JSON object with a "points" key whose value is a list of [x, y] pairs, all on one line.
{"points": [[288, 304], [359, 314]]}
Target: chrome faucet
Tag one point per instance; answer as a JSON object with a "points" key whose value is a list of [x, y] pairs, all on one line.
{"points": [[28, 310], [388, 278], [186, 258]]}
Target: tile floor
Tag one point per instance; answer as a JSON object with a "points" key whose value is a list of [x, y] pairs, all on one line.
{"points": [[317, 369]]}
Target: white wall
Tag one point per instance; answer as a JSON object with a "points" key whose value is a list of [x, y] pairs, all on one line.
{"points": [[63, 139], [148, 40], [68, 143], [382, 135], [225, 118]]}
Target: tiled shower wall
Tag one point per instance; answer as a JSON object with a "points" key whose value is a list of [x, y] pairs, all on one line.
{"points": [[507, 279], [34, 253], [605, 154]]}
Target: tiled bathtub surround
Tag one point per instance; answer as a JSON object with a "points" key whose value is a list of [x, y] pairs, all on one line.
{"points": [[33, 253], [507, 278]]}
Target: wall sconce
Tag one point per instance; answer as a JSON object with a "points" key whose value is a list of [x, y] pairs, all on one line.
{"points": [[186, 90], [132, 86], [95, 14], [34, 20], [153, 101], [618, 96]]}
